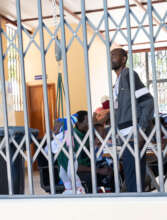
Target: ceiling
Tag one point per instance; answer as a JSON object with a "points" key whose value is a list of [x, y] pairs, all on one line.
{"points": [[94, 8]]}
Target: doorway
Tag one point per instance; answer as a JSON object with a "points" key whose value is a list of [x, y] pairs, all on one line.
{"points": [[36, 109]]}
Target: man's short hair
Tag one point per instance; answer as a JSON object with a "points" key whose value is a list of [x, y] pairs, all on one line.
{"points": [[121, 51], [81, 115]]}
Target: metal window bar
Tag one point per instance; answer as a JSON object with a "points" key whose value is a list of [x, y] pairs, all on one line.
{"points": [[157, 122], [5, 115], [142, 64], [133, 100], [14, 68], [44, 79], [26, 119], [112, 121], [161, 67], [86, 60], [66, 88]]}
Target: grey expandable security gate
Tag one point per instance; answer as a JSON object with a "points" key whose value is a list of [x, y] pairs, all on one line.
{"points": [[22, 148]]}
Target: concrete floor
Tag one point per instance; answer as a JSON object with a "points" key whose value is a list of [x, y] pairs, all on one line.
{"points": [[37, 188]]}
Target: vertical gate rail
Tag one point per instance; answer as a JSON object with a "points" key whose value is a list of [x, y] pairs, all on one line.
{"points": [[86, 59], [5, 114], [157, 121], [112, 121], [133, 100], [26, 120], [45, 92], [66, 87]]}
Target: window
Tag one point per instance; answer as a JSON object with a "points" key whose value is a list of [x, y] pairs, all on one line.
{"points": [[142, 65], [14, 73]]}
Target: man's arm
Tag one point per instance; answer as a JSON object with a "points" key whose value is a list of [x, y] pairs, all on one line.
{"points": [[144, 101]]}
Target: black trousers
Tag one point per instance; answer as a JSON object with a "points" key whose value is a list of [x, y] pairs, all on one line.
{"points": [[130, 171], [102, 180]]}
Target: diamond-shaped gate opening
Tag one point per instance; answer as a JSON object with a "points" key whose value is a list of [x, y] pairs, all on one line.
{"points": [[51, 35], [83, 145], [149, 145], [95, 29], [139, 26], [117, 27], [160, 34], [73, 35], [59, 146], [31, 40], [10, 38], [39, 147], [18, 143], [11, 43], [160, 28], [105, 144], [18, 158], [125, 142], [17, 165]]}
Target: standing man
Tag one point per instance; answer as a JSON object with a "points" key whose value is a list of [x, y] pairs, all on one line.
{"points": [[123, 113]]}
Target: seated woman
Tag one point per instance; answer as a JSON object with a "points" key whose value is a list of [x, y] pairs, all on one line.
{"points": [[63, 161]]}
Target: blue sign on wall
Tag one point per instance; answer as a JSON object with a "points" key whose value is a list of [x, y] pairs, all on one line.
{"points": [[39, 77]]}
